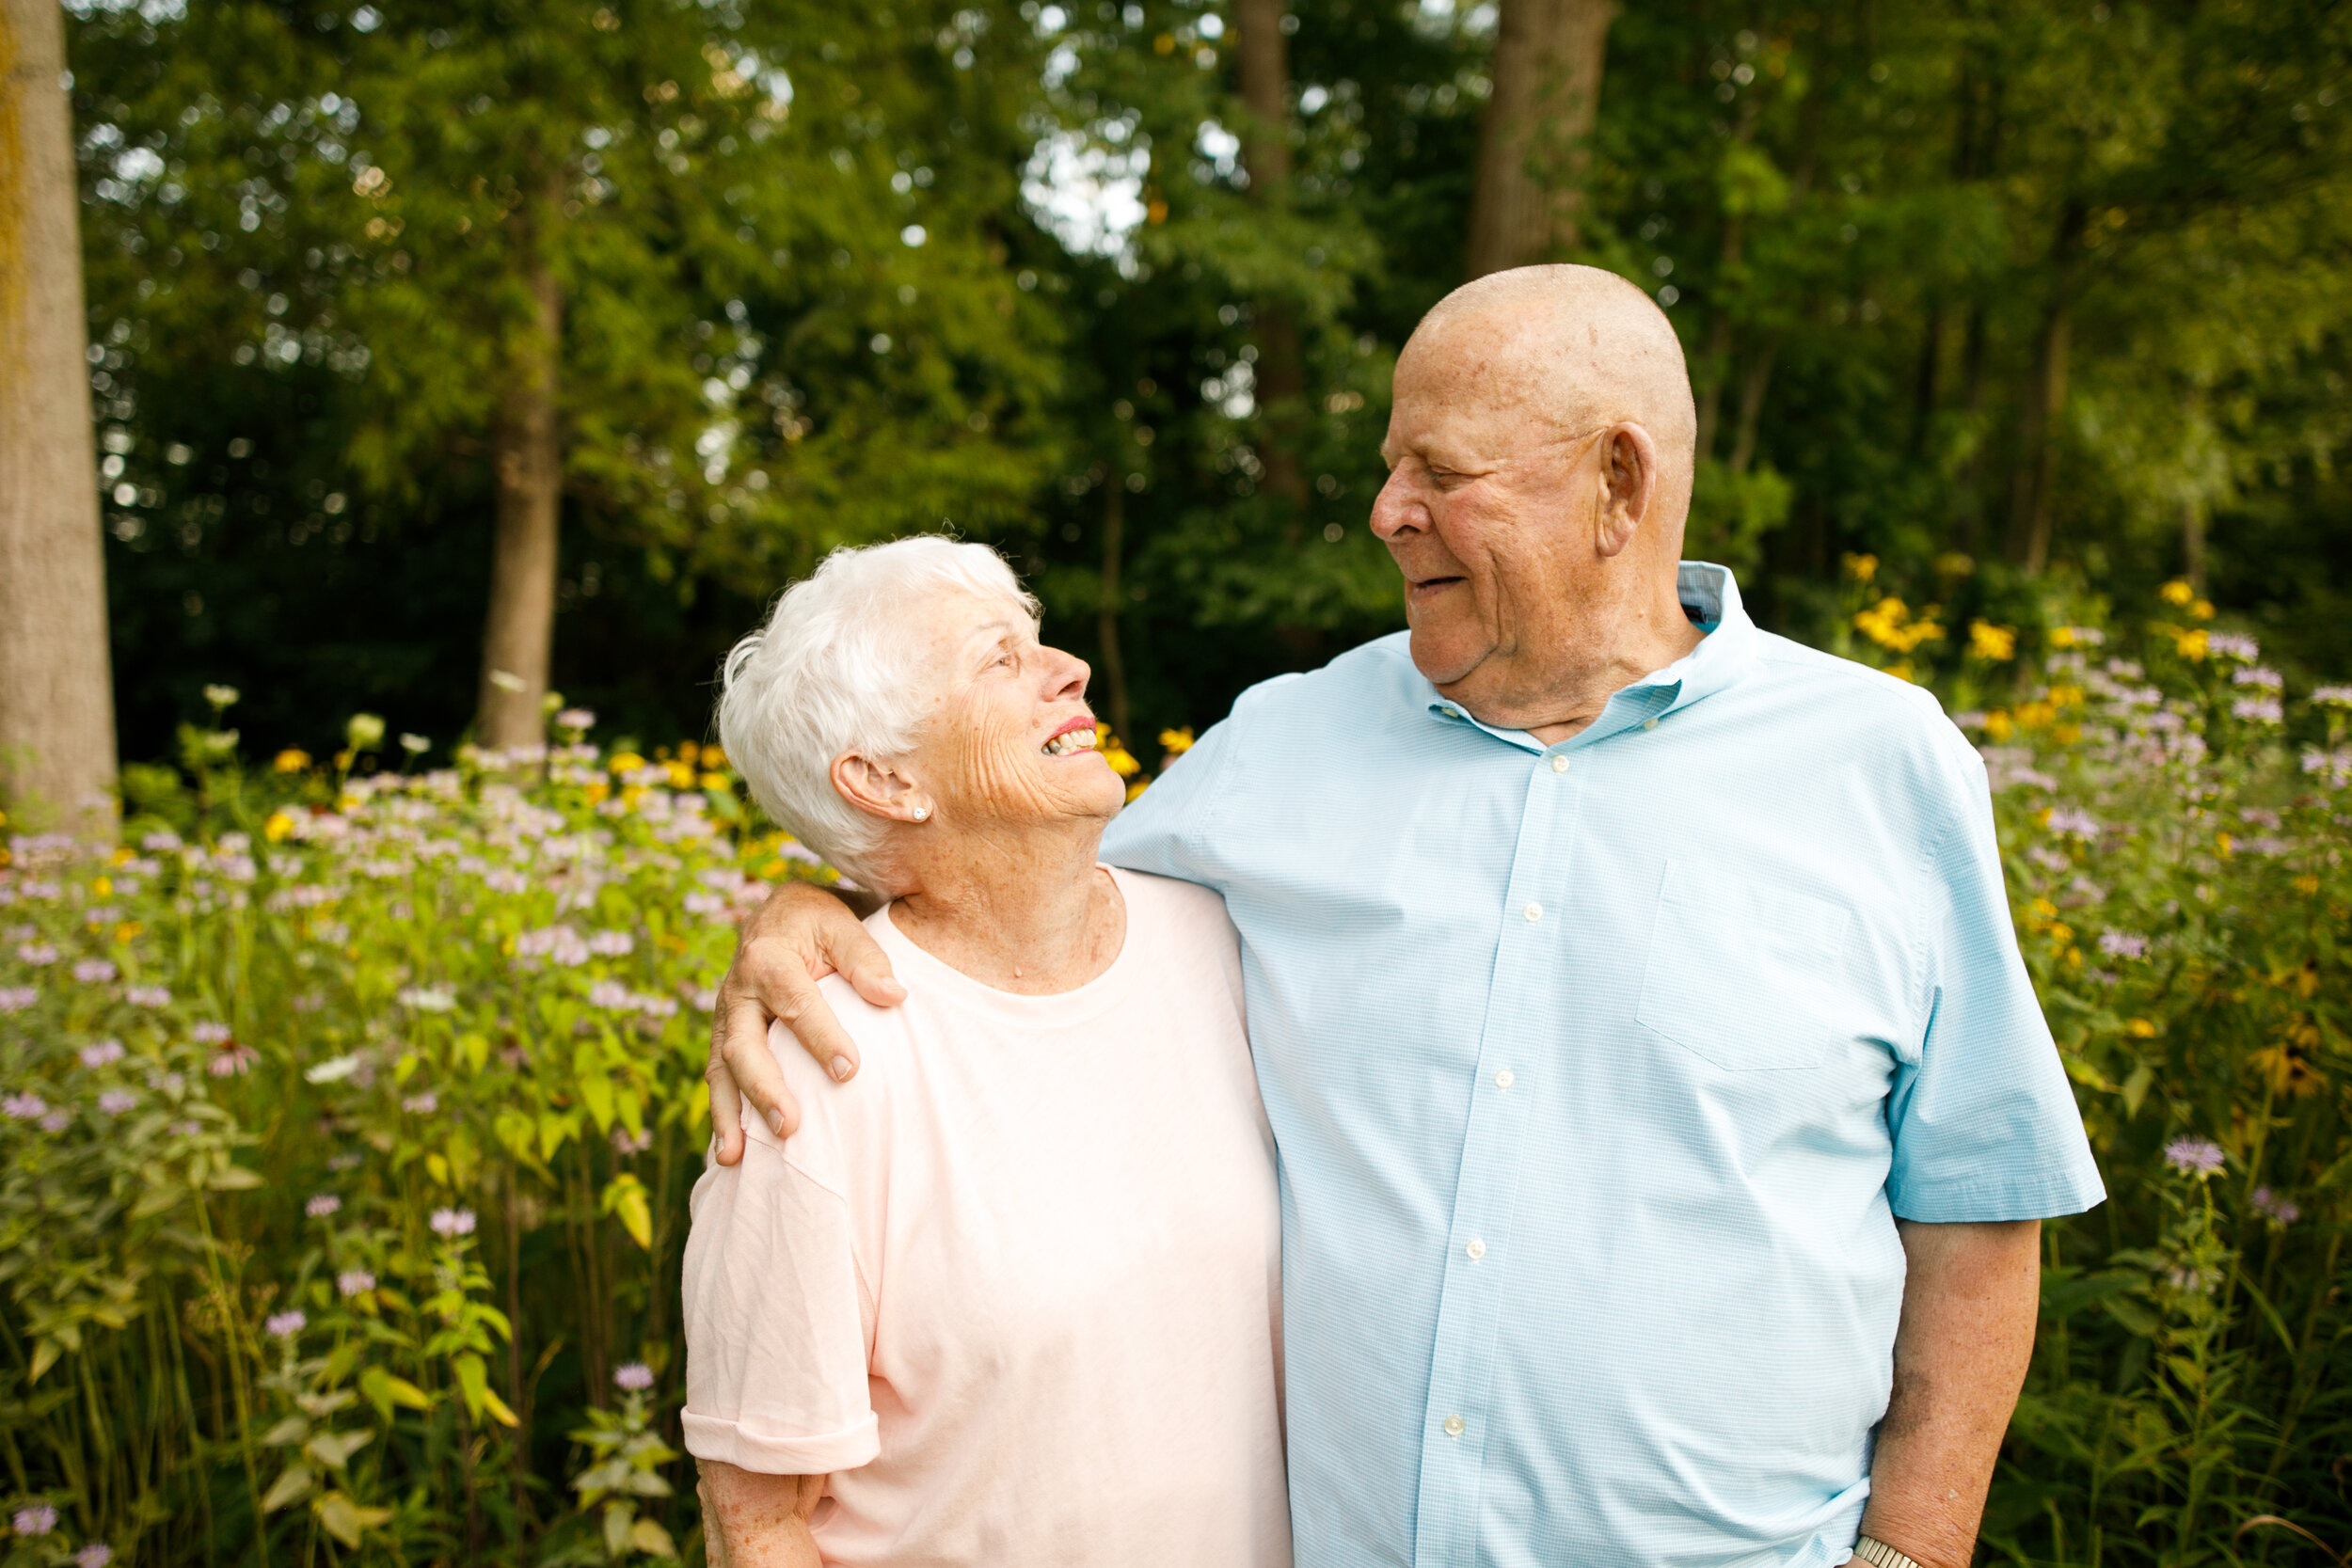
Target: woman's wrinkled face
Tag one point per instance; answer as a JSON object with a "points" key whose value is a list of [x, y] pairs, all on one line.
{"points": [[1012, 739]]}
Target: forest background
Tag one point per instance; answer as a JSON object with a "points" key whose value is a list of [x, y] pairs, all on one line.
{"points": [[2028, 301]]}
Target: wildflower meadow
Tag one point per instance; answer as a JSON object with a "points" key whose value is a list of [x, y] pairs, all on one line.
{"points": [[347, 1118]]}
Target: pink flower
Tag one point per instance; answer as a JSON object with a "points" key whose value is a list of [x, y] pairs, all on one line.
{"points": [[24, 1107], [148, 996], [116, 1101], [40, 1519], [96, 1555], [15, 998], [210, 1033], [2277, 1210], [453, 1222], [322, 1205], [2194, 1156], [2123, 944], [101, 1053], [37, 953], [422, 1104], [229, 1063], [635, 1376], [285, 1326], [354, 1282], [95, 971]]}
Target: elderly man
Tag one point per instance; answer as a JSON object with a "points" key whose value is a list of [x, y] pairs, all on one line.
{"points": [[1664, 1114]]}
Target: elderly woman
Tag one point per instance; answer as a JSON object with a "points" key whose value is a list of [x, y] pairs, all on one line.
{"points": [[1009, 1297]]}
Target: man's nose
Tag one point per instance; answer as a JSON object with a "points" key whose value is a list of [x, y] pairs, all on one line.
{"points": [[1398, 506]]}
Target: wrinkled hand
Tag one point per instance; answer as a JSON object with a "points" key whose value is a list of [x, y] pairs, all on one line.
{"points": [[796, 939]]}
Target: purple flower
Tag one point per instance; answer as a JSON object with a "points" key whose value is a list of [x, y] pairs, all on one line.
{"points": [[635, 1376], [422, 1104], [576, 718], [24, 1107], [117, 1102], [2070, 821], [2194, 1156], [57, 1121], [612, 994], [148, 996], [322, 1205], [38, 953], [2333, 696], [102, 1053], [2269, 680], [229, 1063], [210, 1033], [285, 1326], [2230, 644], [705, 903], [2261, 710], [15, 998], [2279, 1211], [453, 1222], [352, 1282], [96, 1555], [2123, 944], [95, 971], [626, 1142], [612, 944], [40, 1519]]}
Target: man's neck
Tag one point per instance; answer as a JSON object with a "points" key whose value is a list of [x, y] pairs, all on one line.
{"points": [[1028, 911], [1565, 697]]}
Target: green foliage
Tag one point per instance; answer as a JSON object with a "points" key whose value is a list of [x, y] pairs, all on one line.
{"points": [[349, 1125]]}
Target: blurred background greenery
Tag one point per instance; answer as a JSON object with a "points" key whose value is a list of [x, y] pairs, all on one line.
{"points": [[2033, 302]]}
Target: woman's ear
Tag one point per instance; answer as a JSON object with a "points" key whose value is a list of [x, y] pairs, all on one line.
{"points": [[1629, 480], [880, 789]]}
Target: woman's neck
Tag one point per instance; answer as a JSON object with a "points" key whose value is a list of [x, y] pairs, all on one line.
{"points": [[1026, 912]]}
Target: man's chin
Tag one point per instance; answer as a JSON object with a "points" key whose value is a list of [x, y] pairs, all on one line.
{"points": [[1446, 661]]}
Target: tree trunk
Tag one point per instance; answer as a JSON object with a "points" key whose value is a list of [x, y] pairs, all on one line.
{"points": [[1531, 154], [1265, 61], [2036, 474], [57, 694], [1106, 613], [520, 633], [1752, 389]]}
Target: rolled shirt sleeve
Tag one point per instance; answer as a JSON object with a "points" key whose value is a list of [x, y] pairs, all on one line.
{"points": [[776, 1322], [1984, 1123]]}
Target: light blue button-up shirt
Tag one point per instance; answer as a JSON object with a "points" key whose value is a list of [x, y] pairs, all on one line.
{"points": [[1600, 1073]]}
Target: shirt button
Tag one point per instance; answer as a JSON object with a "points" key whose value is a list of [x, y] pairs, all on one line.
{"points": [[1534, 912], [1559, 764], [1504, 1079], [1476, 1249], [1649, 724], [1453, 1426]]}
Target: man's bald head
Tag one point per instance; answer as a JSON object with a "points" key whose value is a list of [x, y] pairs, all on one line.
{"points": [[1576, 348], [1540, 458]]}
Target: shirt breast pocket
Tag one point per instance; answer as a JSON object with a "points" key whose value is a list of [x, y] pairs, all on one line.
{"points": [[1749, 976]]}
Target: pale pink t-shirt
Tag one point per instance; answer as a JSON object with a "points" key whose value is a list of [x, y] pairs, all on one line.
{"points": [[1014, 1289]]}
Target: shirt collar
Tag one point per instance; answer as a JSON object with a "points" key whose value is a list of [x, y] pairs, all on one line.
{"points": [[1711, 596]]}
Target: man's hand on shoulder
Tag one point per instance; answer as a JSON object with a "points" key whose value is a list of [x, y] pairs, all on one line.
{"points": [[797, 937]]}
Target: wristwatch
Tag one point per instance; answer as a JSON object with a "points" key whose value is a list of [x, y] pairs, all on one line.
{"points": [[1870, 1549]]}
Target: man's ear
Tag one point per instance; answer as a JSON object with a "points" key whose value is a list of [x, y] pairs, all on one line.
{"points": [[1629, 482], [879, 789]]}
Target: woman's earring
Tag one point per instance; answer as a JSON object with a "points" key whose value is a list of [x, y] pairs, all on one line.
{"points": [[921, 812]]}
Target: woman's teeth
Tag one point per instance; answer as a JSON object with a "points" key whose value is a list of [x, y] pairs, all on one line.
{"points": [[1073, 740]]}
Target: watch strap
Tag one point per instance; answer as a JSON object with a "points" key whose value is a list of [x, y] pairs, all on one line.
{"points": [[1873, 1550]]}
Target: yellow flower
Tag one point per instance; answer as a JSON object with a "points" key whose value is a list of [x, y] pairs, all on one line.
{"points": [[597, 790], [2202, 610], [1862, 568], [688, 752], [1999, 725], [1176, 742], [1122, 761], [1987, 641], [713, 758], [294, 759], [129, 928], [2177, 591], [625, 762], [2141, 1028], [2307, 885], [2189, 644], [1138, 787], [278, 828], [2224, 843], [101, 886], [1889, 625], [681, 774], [717, 781]]}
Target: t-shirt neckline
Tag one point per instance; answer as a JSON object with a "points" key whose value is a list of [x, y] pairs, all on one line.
{"points": [[920, 968]]}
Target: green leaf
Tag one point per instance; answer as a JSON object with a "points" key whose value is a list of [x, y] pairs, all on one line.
{"points": [[345, 1520], [233, 1179], [650, 1538], [293, 1428], [384, 1392], [627, 1200], [291, 1485], [618, 1518], [334, 1449]]}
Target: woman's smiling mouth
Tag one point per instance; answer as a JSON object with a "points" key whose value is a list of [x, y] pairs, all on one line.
{"points": [[1077, 736]]}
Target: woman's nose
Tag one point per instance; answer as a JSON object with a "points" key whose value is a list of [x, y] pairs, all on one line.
{"points": [[1069, 678]]}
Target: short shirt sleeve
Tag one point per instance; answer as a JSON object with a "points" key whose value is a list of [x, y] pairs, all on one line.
{"points": [[776, 1314], [1161, 830], [1984, 1123]]}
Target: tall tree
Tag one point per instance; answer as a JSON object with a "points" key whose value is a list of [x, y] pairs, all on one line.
{"points": [[57, 705], [1532, 158], [1262, 59]]}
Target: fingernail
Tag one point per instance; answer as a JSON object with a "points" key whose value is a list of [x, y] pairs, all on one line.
{"points": [[775, 1123], [841, 1069]]}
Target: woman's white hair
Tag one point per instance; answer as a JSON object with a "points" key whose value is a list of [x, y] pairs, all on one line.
{"points": [[836, 670]]}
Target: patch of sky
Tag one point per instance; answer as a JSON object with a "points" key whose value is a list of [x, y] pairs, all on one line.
{"points": [[1086, 187]]}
